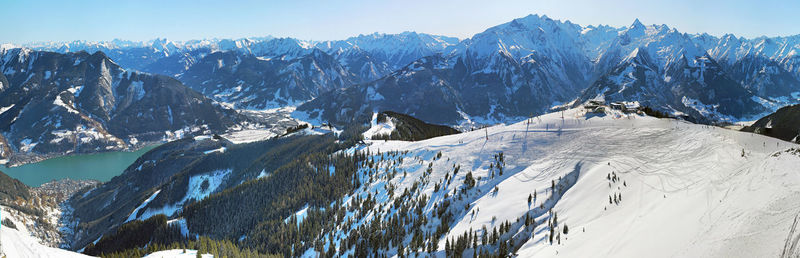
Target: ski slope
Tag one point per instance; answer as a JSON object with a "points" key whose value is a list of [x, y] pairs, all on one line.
{"points": [[685, 190]]}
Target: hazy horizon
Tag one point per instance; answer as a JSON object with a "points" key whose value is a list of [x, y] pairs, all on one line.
{"points": [[308, 20]]}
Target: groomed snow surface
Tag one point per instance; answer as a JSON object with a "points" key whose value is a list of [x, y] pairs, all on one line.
{"points": [[686, 190]]}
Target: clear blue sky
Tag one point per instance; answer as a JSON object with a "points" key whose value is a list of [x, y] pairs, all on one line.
{"points": [[66, 20]]}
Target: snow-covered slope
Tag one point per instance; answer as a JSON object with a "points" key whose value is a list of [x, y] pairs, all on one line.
{"points": [[679, 189], [19, 243]]}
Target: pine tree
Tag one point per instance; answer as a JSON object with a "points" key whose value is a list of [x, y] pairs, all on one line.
{"points": [[555, 219], [485, 235], [469, 180], [527, 220], [475, 240], [503, 249], [400, 251], [447, 246]]}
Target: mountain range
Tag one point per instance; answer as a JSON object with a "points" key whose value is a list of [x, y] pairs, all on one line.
{"points": [[513, 70], [54, 104]]}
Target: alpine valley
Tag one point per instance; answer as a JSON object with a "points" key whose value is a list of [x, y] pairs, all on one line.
{"points": [[654, 142]]}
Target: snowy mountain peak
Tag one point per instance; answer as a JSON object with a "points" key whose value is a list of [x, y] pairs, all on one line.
{"points": [[534, 22], [637, 24], [637, 29], [729, 37]]}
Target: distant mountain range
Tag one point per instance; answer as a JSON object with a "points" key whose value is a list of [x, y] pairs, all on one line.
{"points": [[534, 63], [510, 71]]}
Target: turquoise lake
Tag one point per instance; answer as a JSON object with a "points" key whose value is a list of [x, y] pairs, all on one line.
{"points": [[97, 166]]}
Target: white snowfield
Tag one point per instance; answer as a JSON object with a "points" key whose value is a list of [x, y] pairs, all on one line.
{"points": [[685, 190], [18, 242]]}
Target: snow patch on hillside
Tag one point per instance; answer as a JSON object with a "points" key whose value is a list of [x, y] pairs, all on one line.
{"points": [[182, 224], [299, 215], [4, 109], [136, 211], [198, 191], [200, 187], [376, 128], [263, 173], [59, 102], [137, 89], [220, 150], [177, 253]]}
